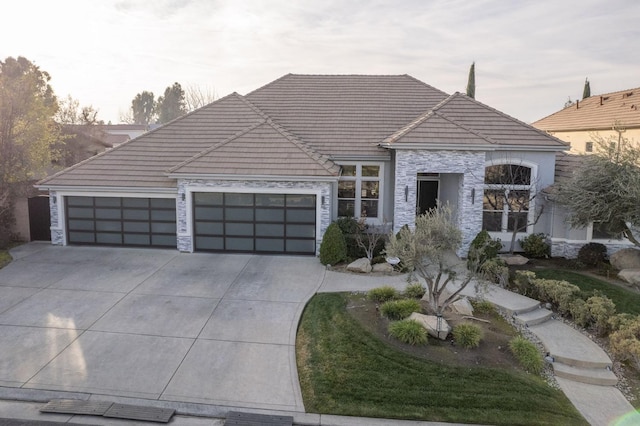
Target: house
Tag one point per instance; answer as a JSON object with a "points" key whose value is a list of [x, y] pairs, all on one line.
{"points": [[79, 142], [595, 115], [269, 171]]}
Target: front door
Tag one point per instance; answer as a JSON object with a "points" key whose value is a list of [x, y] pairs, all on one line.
{"points": [[427, 195]]}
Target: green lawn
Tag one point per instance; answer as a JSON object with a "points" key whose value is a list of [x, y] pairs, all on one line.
{"points": [[626, 301], [345, 370]]}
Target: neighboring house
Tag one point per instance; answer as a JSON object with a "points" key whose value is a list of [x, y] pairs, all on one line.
{"points": [[79, 143], [595, 115], [269, 171]]}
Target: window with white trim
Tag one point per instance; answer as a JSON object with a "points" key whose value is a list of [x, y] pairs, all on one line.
{"points": [[507, 198], [359, 191]]}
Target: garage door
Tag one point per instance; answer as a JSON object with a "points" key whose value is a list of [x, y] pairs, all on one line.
{"points": [[255, 223], [149, 222]]}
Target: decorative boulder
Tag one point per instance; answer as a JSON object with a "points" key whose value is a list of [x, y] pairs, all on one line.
{"points": [[361, 265], [628, 258], [430, 323], [463, 307], [382, 267], [632, 276]]}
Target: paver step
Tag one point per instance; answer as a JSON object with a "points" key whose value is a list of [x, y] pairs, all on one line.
{"points": [[592, 376], [568, 346], [534, 317]]}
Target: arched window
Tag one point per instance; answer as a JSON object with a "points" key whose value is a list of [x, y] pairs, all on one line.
{"points": [[507, 197]]}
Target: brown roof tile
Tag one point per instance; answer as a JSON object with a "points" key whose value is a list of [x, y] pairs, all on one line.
{"points": [[598, 112]]}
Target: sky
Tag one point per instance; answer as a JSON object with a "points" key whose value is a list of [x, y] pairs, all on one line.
{"points": [[530, 56]]}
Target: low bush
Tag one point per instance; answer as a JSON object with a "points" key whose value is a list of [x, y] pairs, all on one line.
{"points": [[601, 309], [527, 354], [524, 283], [559, 293], [382, 294], [618, 321], [350, 228], [399, 309], [536, 246], [333, 248], [592, 254], [415, 291], [625, 343], [496, 271], [408, 331], [483, 248], [467, 335], [580, 313], [483, 306]]}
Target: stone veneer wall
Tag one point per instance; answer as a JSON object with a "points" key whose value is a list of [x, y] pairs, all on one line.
{"points": [[185, 240], [57, 233], [570, 249], [469, 164]]}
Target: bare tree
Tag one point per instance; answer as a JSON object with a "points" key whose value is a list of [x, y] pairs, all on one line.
{"points": [[510, 200], [370, 236], [197, 96]]}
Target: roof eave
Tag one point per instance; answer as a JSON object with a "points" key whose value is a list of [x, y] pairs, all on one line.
{"points": [[279, 178], [85, 188], [482, 147]]}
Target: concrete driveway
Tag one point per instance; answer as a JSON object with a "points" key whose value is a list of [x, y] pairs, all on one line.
{"points": [[155, 324]]}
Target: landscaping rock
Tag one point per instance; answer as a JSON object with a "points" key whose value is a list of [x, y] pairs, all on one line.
{"points": [[631, 276], [361, 265], [430, 323], [514, 259], [628, 258], [463, 307], [382, 267]]}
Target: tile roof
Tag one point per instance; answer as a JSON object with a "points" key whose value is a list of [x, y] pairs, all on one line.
{"points": [[297, 126], [462, 121], [596, 113], [264, 149], [345, 115]]}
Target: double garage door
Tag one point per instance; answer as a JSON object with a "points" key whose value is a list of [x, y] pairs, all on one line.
{"points": [[260, 223], [147, 222], [222, 222]]}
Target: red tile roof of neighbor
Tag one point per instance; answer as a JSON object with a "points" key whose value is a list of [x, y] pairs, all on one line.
{"points": [[297, 126], [598, 112]]}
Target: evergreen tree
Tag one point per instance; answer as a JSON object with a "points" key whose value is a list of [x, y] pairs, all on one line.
{"points": [[586, 92], [471, 84], [172, 105], [143, 107]]}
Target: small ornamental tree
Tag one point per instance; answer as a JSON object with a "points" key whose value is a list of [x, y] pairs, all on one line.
{"points": [[333, 249], [429, 250]]}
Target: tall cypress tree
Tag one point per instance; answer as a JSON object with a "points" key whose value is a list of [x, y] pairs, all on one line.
{"points": [[471, 84], [587, 89]]}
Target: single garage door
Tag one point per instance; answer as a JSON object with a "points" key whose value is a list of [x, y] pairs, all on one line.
{"points": [[149, 222], [255, 223]]}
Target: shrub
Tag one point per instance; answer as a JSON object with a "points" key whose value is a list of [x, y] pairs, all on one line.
{"points": [[415, 291], [524, 284], [580, 312], [350, 228], [483, 306], [625, 342], [382, 294], [601, 309], [333, 248], [536, 246], [399, 309], [467, 335], [618, 321], [527, 354], [496, 271], [592, 254], [560, 293], [408, 331], [483, 248]]}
